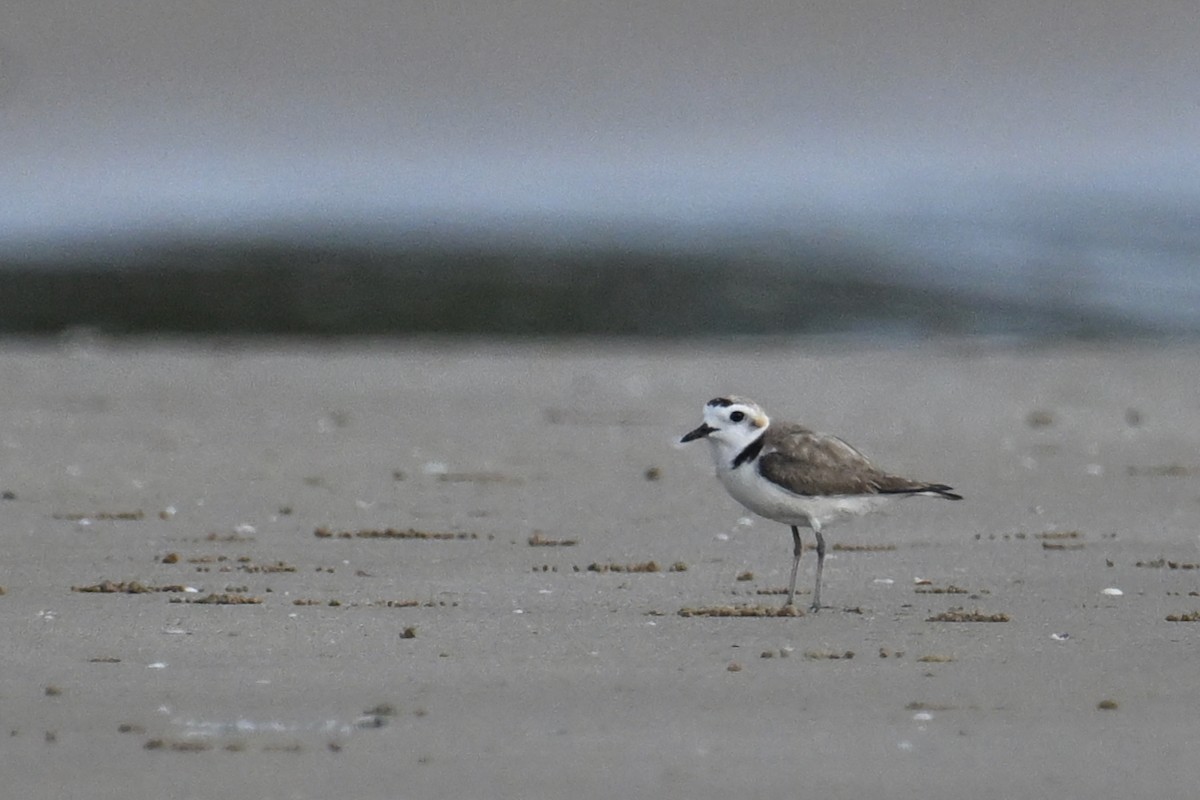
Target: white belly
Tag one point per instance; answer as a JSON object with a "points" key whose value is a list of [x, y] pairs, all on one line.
{"points": [[773, 502]]}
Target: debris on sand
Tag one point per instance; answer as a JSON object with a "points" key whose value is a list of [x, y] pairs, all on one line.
{"points": [[391, 533], [959, 615], [741, 611]]}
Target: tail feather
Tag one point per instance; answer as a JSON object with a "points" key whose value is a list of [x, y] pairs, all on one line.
{"points": [[913, 487], [942, 490]]}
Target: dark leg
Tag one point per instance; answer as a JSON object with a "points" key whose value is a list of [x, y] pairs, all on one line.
{"points": [[797, 551], [816, 603]]}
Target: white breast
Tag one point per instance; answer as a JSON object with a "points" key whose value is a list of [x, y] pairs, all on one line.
{"points": [[769, 500]]}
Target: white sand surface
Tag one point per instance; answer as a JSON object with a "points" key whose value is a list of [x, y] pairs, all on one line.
{"points": [[524, 673]]}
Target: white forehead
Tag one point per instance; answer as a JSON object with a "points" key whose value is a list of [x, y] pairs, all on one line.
{"points": [[716, 412]]}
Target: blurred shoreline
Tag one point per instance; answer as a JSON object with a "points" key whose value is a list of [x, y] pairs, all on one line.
{"points": [[764, 285]]}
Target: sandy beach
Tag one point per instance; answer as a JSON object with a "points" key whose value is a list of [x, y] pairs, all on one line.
{"points": [[415, 570]]}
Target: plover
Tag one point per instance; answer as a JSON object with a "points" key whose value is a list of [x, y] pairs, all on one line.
{"points": [[790, 474]]}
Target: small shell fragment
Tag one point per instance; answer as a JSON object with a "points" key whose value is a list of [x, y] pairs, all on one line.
{"points": [[1112, 591]]}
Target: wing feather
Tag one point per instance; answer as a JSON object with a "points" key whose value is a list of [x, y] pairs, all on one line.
{"points": [[808, 463]]}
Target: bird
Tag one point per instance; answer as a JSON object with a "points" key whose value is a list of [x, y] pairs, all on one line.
{"points": [[790, 474]]}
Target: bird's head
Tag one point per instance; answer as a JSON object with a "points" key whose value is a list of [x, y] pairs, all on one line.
{"points": [[730, 422]]}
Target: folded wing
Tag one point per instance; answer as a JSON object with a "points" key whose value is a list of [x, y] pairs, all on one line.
{"points": [[808, 463]]}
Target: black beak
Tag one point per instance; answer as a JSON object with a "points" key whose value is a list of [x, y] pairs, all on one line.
{"points": [[699, 433]]}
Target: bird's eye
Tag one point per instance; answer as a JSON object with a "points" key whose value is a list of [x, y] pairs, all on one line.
{"points": [[737, 416]]}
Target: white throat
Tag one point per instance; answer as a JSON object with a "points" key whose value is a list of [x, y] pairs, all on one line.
{"points": [[728, 450]]}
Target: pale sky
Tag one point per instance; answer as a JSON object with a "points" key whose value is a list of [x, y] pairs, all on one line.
{"points": [[162, 113]]}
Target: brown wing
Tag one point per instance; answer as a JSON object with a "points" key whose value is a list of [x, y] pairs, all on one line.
{"points": [[809, 463]]}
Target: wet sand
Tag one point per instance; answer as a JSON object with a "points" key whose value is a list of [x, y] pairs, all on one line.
{"points": [[425, 571]]}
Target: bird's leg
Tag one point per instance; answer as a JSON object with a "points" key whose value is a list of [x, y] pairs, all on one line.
{"points": [[797, 551], [816, 603]]}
